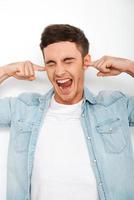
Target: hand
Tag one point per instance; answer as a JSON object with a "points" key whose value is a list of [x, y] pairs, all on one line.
{"points": [[22, 70], [112, 66]]}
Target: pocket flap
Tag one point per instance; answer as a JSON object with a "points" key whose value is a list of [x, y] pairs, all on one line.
{"points": [[108, 126], [23, 126]]}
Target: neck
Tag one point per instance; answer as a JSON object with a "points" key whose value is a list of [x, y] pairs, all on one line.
{"points": [[69, 101]]}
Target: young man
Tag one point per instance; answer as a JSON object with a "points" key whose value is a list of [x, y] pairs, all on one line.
{"points": [[68, 144]]}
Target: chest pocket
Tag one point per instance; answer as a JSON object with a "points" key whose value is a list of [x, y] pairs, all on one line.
{"points": [[112, 134], [22, 135]]}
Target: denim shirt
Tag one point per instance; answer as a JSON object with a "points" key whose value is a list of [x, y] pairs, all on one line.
{"points": [[105, 120]]}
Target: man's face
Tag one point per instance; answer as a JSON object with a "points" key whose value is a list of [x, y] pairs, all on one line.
{"points": [[65, 70]]}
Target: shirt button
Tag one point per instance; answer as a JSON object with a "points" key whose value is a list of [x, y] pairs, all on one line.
{"points": [[100, 184], [82, 115], [89, 138], [110, 130], [20, 120], [95, 160]]}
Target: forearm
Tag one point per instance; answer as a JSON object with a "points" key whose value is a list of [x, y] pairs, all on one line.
{"points": [[3, 75]]}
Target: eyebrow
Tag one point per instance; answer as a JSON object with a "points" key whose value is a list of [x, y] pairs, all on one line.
{"points": [[65, 59]]}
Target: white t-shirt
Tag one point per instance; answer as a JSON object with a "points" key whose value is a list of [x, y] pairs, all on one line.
{"points": [[62, 169]]}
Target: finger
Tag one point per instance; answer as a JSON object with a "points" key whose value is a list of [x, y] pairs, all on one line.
{"points": [[92, 63], [21, 71], [104, 67], [111, 73], [99, 64], [103, 74], [31, 71], [31, 78], [96, 62], [26, 69], [19, 77], [39, 68]]}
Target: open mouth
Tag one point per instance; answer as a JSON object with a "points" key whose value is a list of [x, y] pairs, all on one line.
{"points": [[64, 84]]}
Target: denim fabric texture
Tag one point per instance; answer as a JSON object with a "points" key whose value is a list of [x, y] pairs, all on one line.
{"points": [[105, 119]]}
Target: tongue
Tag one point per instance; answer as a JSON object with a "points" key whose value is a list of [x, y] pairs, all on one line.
{"points": [[66, 84]]}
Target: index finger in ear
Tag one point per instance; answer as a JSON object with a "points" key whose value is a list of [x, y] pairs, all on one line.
{"points": [[92, 63], [39, 68], [97, 62]]}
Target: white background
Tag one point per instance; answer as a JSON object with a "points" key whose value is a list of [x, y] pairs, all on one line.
{"points": [[108, 24]]}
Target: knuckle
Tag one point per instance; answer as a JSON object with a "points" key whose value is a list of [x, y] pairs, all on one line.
{"points": [[105, 57], [28, 61]]}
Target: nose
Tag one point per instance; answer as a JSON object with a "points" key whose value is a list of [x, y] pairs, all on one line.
{"points": [[59, 71]]}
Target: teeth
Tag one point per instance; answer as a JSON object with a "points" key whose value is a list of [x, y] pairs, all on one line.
{"points": [[62, 81]]}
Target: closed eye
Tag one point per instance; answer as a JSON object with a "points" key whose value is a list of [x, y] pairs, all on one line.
{"points": [[69, 62], [51, 65]]}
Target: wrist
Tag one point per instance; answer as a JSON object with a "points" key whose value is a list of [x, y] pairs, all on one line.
{"points": [[130, 69], [4, 71]]}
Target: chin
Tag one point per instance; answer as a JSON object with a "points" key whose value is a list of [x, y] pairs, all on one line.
{"points": [[67, 99]]}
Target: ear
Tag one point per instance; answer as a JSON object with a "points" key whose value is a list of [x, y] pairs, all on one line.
{"points": [[86, 61]]}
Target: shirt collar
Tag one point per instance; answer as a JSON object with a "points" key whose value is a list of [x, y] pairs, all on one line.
{"points": [[89, 96]]}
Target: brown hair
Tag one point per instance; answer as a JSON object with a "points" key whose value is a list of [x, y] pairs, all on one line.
{"points": [[64, 32]]}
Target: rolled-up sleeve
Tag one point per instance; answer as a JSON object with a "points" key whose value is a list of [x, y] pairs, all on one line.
{"points": [[6, 110]]}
